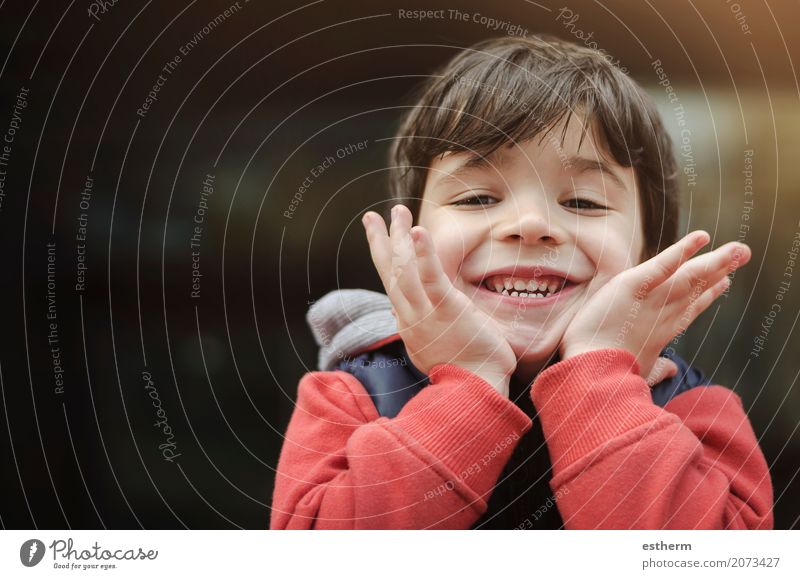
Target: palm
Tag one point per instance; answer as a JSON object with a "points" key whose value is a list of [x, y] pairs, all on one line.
{"points": [[464, 327]]}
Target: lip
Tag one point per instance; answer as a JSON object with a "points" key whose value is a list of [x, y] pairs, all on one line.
{"points": [[517, 301]]}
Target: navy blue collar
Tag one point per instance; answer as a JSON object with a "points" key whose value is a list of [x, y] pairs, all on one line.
{"points": [[392, 380]]}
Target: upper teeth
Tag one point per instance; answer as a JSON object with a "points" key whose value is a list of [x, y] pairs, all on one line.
{"points": [[521, 286]]}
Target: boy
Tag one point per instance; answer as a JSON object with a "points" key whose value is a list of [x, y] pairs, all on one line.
{"points": [[526, 314]]}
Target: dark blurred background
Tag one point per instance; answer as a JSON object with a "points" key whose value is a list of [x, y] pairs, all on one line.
{"points": [[262, 94]]}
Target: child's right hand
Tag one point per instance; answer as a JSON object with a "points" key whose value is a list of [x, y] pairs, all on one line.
{"points": [[437, 322]]}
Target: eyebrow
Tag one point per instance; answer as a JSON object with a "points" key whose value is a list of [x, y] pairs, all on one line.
{"points": [[576, 163], [494, 159], [581, 165]]}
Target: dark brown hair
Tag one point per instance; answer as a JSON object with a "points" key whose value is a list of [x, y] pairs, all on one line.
{"points": [[512, 89]]}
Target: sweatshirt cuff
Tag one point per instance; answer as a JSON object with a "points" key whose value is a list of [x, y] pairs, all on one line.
{"points": [[587, 400], [464, 422]]}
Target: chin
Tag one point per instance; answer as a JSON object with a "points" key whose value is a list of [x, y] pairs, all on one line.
{"points": [[534, 353], [533, 344]]}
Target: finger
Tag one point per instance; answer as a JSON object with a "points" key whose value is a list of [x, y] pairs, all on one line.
{"points": [[663, 368], [701, 304], [434, 281], [404, 269], [702, 272], [378, 240], [659, 268], [380, 249]]}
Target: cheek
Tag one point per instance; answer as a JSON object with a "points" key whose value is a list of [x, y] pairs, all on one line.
{"points": [[613, 253], [450, 250], [452, 245]]}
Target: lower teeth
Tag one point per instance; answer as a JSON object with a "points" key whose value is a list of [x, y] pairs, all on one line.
{"points": [[526, 295]]}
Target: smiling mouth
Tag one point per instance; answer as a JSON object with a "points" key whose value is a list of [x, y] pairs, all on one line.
{"points": [[539, 288]]}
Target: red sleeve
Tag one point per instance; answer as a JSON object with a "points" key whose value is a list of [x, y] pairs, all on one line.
{"points": [[342, 466], [621, 462]]}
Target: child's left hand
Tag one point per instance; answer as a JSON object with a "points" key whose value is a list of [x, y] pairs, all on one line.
{"points": [[641, 309]]}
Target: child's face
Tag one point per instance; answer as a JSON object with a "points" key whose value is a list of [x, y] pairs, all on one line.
{"points": [[537, 211]]}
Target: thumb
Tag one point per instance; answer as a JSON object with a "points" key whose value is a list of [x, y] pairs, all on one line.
{"points": [[663, 368]]}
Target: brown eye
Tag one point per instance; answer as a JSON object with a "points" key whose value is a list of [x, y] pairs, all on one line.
{"points": [[476, 201], [579, 203]]}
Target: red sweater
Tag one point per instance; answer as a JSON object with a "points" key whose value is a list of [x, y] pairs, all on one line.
{"points": [[619, 461]]}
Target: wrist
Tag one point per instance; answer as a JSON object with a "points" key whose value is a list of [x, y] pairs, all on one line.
{"points": [[566, 352], [498, 379], [570, 351]]}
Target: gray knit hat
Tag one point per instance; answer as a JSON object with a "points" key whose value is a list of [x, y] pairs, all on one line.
{"points": [[347, 321]]}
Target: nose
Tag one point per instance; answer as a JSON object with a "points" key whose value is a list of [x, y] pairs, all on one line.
{"points": [[529, 221]]}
